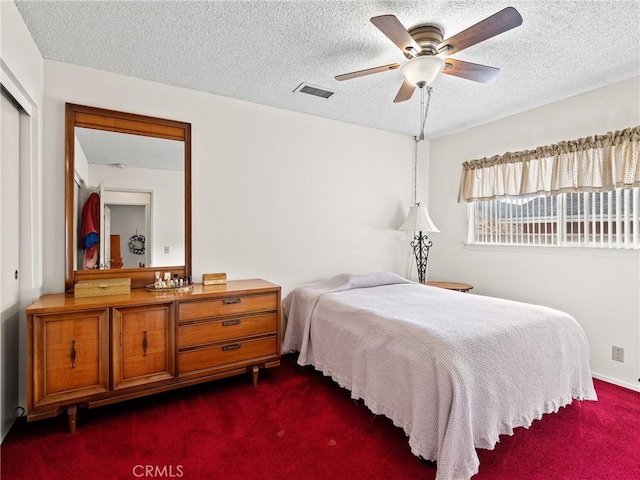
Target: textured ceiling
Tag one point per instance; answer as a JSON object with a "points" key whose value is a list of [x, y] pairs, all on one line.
{"points": [[111, 148], [260, 51]]}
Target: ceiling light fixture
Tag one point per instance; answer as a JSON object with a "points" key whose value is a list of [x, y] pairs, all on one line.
{"points": [[421, 71]]}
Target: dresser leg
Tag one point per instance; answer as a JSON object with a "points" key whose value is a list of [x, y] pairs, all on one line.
{"points": [[254, 374], [72, 414]]}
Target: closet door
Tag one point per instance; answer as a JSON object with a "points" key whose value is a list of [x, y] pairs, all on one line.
{"points": [[10, 248]]}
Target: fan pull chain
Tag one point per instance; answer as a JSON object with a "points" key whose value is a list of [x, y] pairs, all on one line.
{"points": [[421, 137], [415, 172], [423, 109]]}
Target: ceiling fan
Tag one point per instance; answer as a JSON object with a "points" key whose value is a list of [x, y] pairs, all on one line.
{"points": [[423, 44]]}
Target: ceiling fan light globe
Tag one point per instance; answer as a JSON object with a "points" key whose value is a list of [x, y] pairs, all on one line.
{"points": [[422, 70]]}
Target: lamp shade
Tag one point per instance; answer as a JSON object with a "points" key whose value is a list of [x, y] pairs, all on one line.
{"points": [[419, 220], [422, 69]]}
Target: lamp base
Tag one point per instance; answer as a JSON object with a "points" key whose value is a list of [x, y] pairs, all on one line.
{"points": [[421, 245]]}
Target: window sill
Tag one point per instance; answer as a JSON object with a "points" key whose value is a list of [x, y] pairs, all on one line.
{"points": [[555, 250]]}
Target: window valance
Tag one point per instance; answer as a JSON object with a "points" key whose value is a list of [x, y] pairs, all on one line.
{"points": [[594, 164]]}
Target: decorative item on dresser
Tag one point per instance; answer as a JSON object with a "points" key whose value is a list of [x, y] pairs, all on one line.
{"points": [[214, 278], [89, 352], [102, 287]]}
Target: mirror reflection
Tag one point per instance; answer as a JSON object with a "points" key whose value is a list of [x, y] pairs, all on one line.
{"points": [[129, 200]]}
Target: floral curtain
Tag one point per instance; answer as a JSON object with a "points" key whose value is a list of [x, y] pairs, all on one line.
{"points": [[594, 164]]}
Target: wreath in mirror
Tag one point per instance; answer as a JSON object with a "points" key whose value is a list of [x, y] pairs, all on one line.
{"points": [[136, 244]]}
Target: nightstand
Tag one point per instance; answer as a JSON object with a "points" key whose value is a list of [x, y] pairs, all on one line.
{"points": [[459, 287]]}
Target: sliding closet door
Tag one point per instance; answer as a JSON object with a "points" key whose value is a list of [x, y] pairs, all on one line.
{"points": [[9, 260]]}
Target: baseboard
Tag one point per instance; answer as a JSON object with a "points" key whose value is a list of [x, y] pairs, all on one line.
{"points": [[604, 378]]}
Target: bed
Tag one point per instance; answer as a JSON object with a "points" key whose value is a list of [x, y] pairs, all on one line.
{"points": [[453, 370]]}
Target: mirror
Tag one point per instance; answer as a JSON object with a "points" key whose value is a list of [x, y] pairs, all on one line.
{"points": [[127, 196]]}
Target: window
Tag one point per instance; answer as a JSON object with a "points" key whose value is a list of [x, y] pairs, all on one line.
{"points": [[586, 219], [583, 193]]}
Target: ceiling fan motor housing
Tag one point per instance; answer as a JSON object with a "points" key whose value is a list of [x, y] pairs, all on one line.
{"points": [[428, 37]]}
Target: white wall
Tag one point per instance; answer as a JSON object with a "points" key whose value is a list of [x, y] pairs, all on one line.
{"points": [[601, 289], [80, 162], [278, 195], [21, 72]]}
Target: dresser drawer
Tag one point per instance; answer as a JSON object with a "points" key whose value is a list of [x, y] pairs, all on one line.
{"points": [[227, 306], [204, 358], [225, 329]]}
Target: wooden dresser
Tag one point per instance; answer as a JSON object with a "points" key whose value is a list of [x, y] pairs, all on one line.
{"points": [[88, 352]]}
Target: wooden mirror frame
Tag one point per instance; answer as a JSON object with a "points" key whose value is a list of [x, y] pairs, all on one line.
{"points": [[113, 121]]}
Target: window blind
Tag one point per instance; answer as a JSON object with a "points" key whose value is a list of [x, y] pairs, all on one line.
{"points": [[584, 219]]}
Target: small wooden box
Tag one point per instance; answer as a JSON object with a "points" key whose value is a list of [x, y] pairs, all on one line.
{"points": [[102, 287], [214, 278]]}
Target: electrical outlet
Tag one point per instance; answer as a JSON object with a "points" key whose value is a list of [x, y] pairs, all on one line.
{"points": [[617, 354], [167, 250]]}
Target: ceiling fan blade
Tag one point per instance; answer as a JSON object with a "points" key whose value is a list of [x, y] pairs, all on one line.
{"points": [[470, 71], [405, 92], [395, 31], [368, 71], [496, 24]]}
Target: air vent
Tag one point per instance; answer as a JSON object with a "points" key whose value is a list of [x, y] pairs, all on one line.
{"points": [[314, 90]]}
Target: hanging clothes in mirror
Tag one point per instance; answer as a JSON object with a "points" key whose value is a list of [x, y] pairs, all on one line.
{"points": [[90, 230]]}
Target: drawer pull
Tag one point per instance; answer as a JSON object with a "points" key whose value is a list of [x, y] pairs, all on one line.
{"points": [[232, 300], [228, 323], [233, 346], [144, 343], [73, 354]]}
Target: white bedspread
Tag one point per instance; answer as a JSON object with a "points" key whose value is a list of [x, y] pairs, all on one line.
{"points": [[453, 370]]}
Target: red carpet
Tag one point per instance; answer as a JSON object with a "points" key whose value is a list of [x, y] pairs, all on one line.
{"points": [[299, 425]]}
